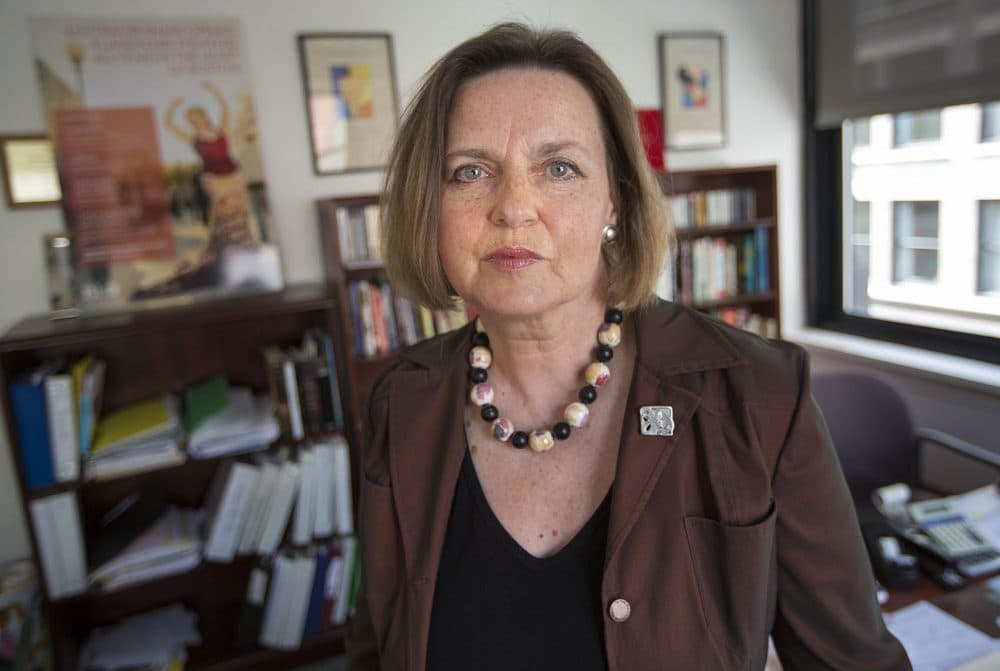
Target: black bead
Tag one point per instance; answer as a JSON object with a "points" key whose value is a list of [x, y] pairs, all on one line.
{"points": [[519, 439], [613, 316], [588, 394], [604, 353], [560, 431], [478, 375], [481, 339], [489, 412]]}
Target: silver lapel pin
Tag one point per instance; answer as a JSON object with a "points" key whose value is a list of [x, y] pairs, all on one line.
{"points": [[656, 420]]}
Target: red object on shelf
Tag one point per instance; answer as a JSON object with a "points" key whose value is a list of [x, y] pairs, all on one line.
{"points": [[651, 132]]}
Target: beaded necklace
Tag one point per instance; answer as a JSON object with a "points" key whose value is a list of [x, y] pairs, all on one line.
{"points": [[576, 415]]}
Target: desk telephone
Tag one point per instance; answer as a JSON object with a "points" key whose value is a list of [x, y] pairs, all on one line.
{"points": [[945, 531], [940, 530]]}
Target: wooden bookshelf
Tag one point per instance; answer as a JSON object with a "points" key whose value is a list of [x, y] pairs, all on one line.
{"points": [[727, 225], [149, 353], [343, 267]]}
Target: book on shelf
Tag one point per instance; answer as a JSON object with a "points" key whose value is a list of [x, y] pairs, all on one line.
{"points": [[170, 546], [27, 399], [246, 423], [155, 639], [358, 233], [132, 516], [56, 522], [383, 321], [226, 508], [141, 436], [742, 317], [304, 387], [88, 386], [713, 207], [301, 594], [713, 268], [61, 416]]}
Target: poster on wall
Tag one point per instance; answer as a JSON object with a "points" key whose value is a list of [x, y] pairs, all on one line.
{"points": [[158, 155]]}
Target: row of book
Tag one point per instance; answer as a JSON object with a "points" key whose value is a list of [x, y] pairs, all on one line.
{"points": [[304, 387], [56, 405], [254, 506], [384, 321], [716, 207], [63, 435], [742, 317], [714, 268], [358, 233], [301, 594]]}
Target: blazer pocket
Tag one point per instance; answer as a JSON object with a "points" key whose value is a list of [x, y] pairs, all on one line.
{"points": [[734, 567]]}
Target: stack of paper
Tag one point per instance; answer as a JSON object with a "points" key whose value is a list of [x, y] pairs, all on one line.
{"points": [[139, 437], [172, 545], [244, 424], [935, 640], [155, 639]]}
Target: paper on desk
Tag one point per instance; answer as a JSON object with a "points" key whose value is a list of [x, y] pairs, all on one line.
{"points": [[936, 641]]}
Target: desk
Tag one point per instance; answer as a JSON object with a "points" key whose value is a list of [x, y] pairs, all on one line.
{"points": [[970, 604]]}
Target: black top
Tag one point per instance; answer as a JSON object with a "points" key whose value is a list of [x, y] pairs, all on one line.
{"points": [[496, 606]]}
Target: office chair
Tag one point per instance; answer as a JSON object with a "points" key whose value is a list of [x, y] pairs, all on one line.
{"points": [[878, 445]]}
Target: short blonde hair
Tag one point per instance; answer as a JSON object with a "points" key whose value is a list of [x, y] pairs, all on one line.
{"points": [[411, 200]]}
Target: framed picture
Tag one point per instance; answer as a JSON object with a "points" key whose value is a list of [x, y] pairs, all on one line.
{"points": [[692, 90], [29, 170], [351, 102]]}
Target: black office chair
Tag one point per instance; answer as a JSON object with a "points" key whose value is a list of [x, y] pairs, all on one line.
{"points": [[878, 445]]}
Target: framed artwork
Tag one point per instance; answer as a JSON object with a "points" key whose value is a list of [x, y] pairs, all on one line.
{"points": [[692, 90], [29, 170], [351, 102]]}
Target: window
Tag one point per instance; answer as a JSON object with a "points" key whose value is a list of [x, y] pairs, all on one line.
{"points": [[914, 241], [856, 259], [991, 121], [922, 126], [902, 209], [989, 246]]}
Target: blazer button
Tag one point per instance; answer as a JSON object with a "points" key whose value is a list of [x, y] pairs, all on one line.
{"points": [[619, 610]]}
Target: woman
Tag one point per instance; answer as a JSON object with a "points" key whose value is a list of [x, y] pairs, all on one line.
{"points": [[587, 477]]}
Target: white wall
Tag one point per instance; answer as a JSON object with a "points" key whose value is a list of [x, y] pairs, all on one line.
{"points": [[762, 109]]}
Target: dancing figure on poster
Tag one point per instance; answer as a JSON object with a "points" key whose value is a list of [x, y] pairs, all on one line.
{"points": [[230, 216]]}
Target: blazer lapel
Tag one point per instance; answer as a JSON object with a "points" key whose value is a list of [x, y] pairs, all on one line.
{"points": [[426, 447], [670, 341]]}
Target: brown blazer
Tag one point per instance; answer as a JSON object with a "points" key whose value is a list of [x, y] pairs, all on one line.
{"points": [[737, 526]]}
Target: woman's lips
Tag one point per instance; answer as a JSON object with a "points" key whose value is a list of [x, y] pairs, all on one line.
{"points": [[512, 258]]}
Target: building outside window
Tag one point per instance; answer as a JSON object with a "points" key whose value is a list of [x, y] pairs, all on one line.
{"points": [[922, 126], [921, 210], [991, 121], [989, 246], [914, 241]]}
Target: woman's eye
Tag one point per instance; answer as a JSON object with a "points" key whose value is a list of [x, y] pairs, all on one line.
{"points": [[560, 169], [469, 173]]}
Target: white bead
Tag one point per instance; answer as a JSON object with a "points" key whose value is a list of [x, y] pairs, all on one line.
{"points": [[502, 428], [577, 414], [482, 393], [480, 357], [597, 374], [609, 334], [541, 440]]}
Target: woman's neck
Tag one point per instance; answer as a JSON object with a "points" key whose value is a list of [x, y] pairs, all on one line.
{"points": [[537, 362]]}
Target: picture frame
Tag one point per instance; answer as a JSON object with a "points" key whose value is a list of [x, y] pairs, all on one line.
{"points": [[692, 90], [351, 102], [29, 169]]}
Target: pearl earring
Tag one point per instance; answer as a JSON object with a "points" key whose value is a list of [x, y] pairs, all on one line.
{"points": [[609, 233]]}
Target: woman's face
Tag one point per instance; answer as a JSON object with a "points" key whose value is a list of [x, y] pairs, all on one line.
{"points": [[525, 194]]}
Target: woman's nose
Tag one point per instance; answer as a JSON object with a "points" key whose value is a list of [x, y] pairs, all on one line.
{"points": [[516, 202]]}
